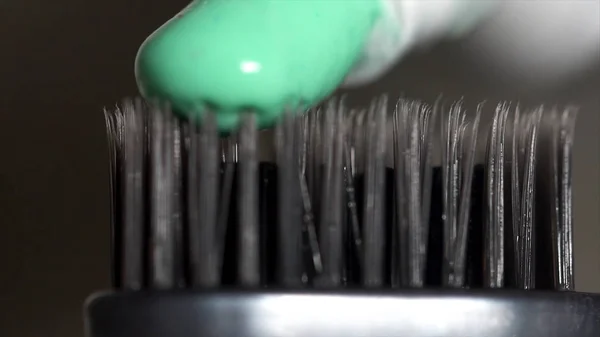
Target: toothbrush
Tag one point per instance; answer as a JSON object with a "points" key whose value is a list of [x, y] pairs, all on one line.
{"points": [[328, 241]]}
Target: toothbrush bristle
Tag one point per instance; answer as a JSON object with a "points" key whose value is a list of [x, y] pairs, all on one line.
{"points": [[248, 242], [133, 194], [193, 209], [202, 188], [164, 199]]}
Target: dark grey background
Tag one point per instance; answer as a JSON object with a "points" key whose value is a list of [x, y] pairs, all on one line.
{"points": [[61, 61]]}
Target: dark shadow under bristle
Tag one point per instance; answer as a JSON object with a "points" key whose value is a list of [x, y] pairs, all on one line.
{"points": [[475, 249], [268, 206], [229, 237], [435, 245], [289, 268], [226, 210], [473, 275], [352, 200]]}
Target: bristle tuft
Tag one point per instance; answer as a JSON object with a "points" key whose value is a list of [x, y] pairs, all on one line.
{"points": [[192, 209]]}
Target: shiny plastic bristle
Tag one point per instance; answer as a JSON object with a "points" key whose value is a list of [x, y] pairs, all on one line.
{"points": [[193, 209]]}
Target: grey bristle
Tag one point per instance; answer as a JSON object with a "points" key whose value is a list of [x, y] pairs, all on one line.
{"points": [[178, 207], [133, 191], [114, 128], [526, 250], [566, 196], [553, 185], [330, 234], [248, 250], [374, 205], [494, 237], [453, 179], [308, 219], [457, 278], [412, 169], [564, 225], [401, 264], [428, 120], [349, 176], [192, 208], [516, 179], [203, 177], [162, 211]]}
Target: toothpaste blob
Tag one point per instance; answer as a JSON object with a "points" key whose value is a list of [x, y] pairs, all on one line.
{"points": [[264, 56]]}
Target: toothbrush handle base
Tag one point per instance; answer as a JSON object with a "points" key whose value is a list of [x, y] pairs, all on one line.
{"points": [[416, 313]]}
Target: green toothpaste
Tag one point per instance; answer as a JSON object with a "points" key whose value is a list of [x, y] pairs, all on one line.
{"points": [[265, 56]]}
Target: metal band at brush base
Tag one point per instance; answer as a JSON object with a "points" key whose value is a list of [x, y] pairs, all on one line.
{"points": [[414, 313]]}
